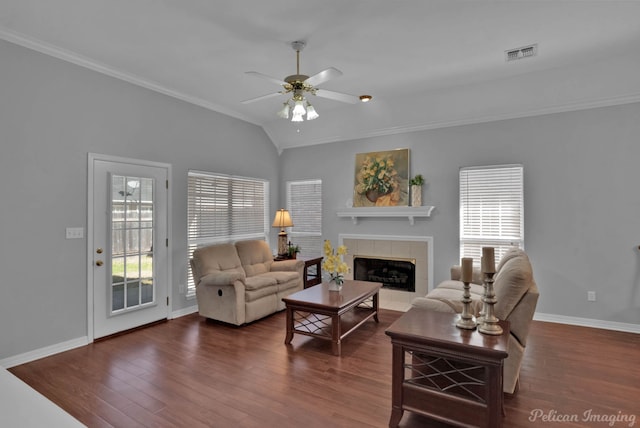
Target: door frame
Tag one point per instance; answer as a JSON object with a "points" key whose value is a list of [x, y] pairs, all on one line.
{"points": [[91, 158]]}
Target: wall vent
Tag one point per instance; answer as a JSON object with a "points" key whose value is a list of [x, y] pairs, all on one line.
{"points": [[520, 53]]}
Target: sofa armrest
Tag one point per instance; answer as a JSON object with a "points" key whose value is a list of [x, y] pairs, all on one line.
{"points": [[522, 315], [290, 265], [476, 278], [222, 278]]}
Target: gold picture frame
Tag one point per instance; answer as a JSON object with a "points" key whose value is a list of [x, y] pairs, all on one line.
{"points": [[381, 179]]}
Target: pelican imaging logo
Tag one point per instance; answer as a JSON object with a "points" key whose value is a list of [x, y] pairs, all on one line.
{"points": [[588, 416]]}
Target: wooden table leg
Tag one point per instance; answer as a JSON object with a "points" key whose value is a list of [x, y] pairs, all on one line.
{"points": [[397, 377], [289, 336], [336, 332], [375, 306], [495, 396]]}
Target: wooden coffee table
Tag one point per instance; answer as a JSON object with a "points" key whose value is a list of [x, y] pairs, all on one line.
{"points": [[331, 315], [446, 373]]}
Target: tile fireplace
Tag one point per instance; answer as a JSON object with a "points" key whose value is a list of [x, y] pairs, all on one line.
{"points": [[394, 273], [414, 250]]}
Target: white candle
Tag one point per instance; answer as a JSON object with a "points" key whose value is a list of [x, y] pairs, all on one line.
{"points": [[488, 258], [467, 269]]}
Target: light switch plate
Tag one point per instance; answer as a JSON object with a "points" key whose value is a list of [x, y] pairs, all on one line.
{"points": [[75, 232]]}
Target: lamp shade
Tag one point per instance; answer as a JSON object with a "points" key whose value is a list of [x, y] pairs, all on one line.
{"points": [[282, 219], [284, 113], [298, 108], [311, 112]]}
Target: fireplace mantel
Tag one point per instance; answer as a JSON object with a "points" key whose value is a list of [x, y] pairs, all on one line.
{"points": [[387, 212]]}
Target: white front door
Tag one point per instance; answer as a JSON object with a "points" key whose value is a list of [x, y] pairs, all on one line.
{"points": [[128, 244]]}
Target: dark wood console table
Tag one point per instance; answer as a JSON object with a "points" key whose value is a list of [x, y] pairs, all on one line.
{"points": [[446, 373]]}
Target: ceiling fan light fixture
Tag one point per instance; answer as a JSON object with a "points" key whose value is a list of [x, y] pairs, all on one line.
{"points": [[284, 112], [298, 85], [298, 109], [311, 112]]}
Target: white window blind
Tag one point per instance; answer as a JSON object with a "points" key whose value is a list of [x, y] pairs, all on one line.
{"points": [[224, 208], [304, 202], [491, 210]]}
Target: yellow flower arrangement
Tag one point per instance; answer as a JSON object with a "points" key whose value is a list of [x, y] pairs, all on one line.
{"points": [[333, 263]]}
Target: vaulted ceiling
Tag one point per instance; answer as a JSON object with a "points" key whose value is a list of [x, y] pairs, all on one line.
{"points": [[427, 63]]}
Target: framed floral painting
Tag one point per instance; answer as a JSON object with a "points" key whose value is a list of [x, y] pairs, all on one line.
{"points": [[382, 179]]}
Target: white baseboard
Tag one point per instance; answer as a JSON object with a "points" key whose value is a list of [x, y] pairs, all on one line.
{"points": [[184, 311], [68, 345], [587, 322], [44, 352]]}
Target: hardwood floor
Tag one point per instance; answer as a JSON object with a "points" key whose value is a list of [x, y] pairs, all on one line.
{"points": [[196, 373]]}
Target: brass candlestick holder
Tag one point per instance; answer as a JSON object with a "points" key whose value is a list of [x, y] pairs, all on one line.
{"points": [[489, 322], [467, 320]]}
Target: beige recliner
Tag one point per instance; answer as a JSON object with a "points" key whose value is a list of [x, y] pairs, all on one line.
{"points": [[239, 283], [517, 296]]}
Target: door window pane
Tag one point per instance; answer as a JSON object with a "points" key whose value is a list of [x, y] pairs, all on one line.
{"points": [[132, 221]]}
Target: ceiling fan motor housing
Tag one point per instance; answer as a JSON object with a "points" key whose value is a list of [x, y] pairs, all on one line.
{"points": [[296, 78]]}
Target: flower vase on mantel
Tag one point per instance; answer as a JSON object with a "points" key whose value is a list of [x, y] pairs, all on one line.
{"points": [[416, 196], [416, 190]]}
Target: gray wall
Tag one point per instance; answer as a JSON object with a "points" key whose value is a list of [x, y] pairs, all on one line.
{"points": [[582, 204], [52, 114], [581, 200]]}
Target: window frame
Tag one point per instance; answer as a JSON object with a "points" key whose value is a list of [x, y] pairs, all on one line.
{"points": [[497, 188], [229, 204], [296, 213]]}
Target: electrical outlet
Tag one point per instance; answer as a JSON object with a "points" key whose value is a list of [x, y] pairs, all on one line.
{"points": [[591, 296]]}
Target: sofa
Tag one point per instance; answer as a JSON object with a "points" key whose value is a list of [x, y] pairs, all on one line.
{"points": [[517, 296], [238, 283]]}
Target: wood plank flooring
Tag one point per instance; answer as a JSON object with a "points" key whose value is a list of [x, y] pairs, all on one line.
{"points": [[190, 372]]}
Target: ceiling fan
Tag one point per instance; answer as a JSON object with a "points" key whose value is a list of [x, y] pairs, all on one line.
{"points": [[301, 85]]}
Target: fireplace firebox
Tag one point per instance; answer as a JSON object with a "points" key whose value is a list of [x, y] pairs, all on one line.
{"points": [[393, 273]]}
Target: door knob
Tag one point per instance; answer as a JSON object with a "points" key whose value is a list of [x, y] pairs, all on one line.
{"points": [[99, 263], [99, 250]]}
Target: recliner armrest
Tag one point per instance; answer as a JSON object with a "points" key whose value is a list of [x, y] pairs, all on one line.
{"points": [[290, 265], [222, 278]]}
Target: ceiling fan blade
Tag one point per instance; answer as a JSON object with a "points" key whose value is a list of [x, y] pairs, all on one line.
{"points": [[264, 97], [338, 96], [323, 76], [264, 76]]}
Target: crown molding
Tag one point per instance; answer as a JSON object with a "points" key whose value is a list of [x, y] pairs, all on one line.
{"points": [[91, 64], [280, 144], [560, 108]]}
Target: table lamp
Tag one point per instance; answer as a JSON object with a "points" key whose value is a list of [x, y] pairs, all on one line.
{"points": [[282, 220]]}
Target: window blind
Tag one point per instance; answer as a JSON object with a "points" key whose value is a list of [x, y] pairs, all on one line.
{"points": [[304, 202], [224, 208], [491, 210]]}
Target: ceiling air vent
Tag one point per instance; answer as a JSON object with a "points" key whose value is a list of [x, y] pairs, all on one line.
{"points": [[520, 53]]}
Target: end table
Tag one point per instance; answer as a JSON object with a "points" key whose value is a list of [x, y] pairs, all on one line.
{"points": [[444, 372]]}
